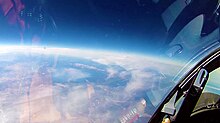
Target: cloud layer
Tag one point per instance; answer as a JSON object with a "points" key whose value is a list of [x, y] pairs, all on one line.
{"points": [[52, 81]]}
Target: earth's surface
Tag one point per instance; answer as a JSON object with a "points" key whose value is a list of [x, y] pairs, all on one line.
{"points": [[42, 85]]}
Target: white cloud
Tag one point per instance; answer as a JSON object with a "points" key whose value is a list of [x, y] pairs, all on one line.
{"points": [[124, 74], [141, 80], [84, 66], [111, 73], [70, 73]]}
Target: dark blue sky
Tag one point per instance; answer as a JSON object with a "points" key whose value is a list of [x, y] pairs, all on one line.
{"points": [[124, 25], [129, 25]]}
